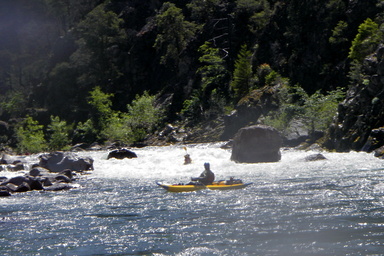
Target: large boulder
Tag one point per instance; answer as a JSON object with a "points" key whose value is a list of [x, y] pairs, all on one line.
{"points": [[257, 143], [121, 154], [59, 161]]}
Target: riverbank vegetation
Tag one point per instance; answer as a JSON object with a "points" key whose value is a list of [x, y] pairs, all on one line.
{"points": [[101, 71]]}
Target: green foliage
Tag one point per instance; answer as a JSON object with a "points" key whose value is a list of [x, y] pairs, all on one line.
{"points": [[174, 33], [339, 33], [242, 75], [366, 41], [213, 71], [289, 108], [355, 74], [99, 33], [86, 132], [266, 76], [118, 129], [14, 104], [30, 136], [315, 111], [320, 109], [259, 13], [143, 116], [202, 10], [59, 134], [209, 100], [193, 107], [101, 104], [101, 29]]}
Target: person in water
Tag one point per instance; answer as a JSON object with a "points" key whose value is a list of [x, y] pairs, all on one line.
{"points": [[206, 177], [187, 159]]}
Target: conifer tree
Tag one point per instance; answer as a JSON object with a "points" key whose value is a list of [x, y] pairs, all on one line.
{"points": [[242, 75]]}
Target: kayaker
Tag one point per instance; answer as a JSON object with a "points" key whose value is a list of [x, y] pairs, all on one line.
{"points": [[206, 177], [187, 159]]}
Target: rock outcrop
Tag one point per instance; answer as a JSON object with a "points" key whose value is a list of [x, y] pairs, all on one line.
{"points": [[255, 144], [360, 117]]}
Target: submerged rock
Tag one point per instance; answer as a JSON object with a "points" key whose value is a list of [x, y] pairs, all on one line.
{"points": [[314, 157]]}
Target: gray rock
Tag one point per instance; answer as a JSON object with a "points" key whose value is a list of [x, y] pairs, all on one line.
{"points": [[58, 187], [63, 178], [18, 180], [256, 144], [59, 161], [39, 171], [314, 157]]}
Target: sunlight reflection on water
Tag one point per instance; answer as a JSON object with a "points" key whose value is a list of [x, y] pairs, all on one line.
{"points": [[293, 208]]}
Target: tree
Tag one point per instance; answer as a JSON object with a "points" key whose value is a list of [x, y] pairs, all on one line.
{"points": [[134, 125], [101, 104], [242, 75], [255, 12], [100, 34], [213, 71], [319, 109], [315, 111], [338, 33], [174, 33], [366, 41], [204, 100], [143, 116], [30, 136], [59, 134], [202, 10]]}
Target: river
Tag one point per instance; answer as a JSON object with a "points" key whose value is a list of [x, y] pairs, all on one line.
{"points": [[330, 207]]}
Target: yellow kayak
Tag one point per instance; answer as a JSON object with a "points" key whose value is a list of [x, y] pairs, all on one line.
{"points": [[190, 188]]}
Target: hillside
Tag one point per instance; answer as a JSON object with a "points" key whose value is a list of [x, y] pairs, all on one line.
{"points": [[81, 71]]}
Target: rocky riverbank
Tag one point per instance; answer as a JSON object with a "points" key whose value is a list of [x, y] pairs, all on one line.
{"points": [[55, 171]]}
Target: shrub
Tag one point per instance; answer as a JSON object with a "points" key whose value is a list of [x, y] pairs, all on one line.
{"points": [[316, 112], [366, 41], [59, 134], [30, 136], [142, 116], [320, 109]]}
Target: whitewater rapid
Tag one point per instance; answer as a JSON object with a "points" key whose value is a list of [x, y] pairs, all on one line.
{"points": [[328, 207]]}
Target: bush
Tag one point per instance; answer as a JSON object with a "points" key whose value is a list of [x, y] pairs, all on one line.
{"points": [[30, 136], [118, 129], [316, 112], [290, 108], [59, 134], [366, 41], [320, 109], [142, 116]]}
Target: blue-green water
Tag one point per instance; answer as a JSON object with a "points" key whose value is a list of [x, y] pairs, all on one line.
{"points": [[332, 207]]}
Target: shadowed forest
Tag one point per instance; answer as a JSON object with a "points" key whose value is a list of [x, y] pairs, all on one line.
{"points": [[84, 71]]}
